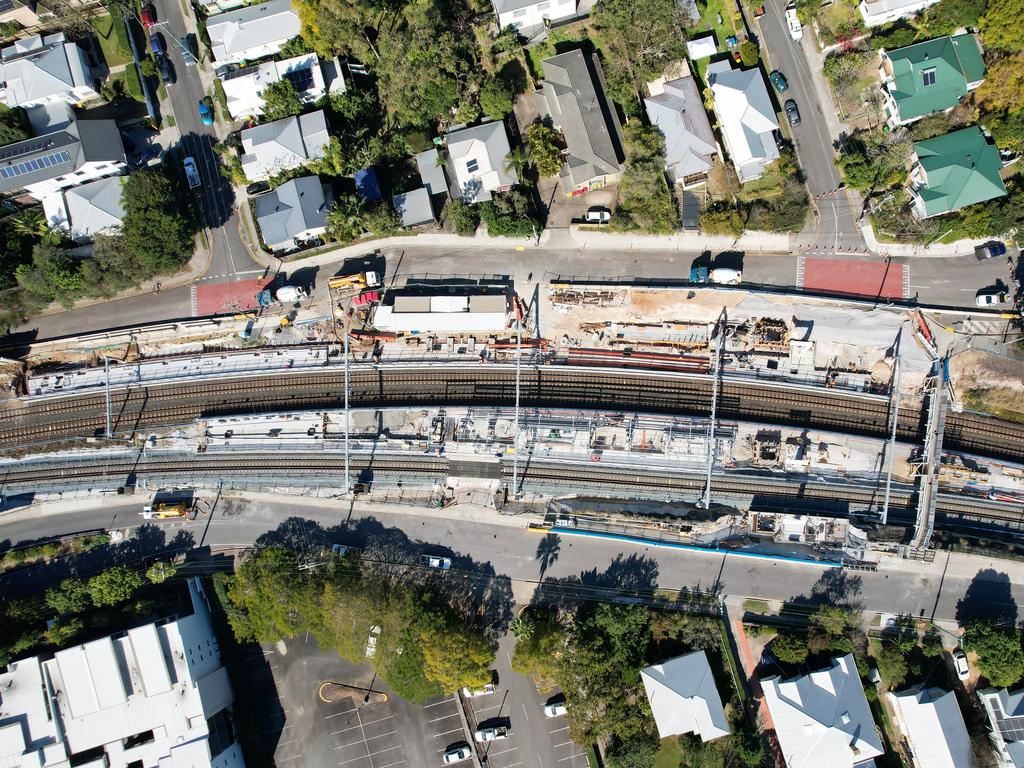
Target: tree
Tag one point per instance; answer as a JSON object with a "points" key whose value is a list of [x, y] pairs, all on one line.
{"points": [[749, 54], [892, 665], [637, 39], [345, 219], [496, 99], [516, 161], [893, 36], [1000, 657], [790, 648], [1007, 131], [113, 586], [464, 218], [874, 160], [1002, 26], [947, 16], [545, 149], [538, 649], [281, 100], [52, 274], [638, 752], [381, 220], [12, 125], [1003, 88], [160, 572], [509, 214], [62, 631], [155, 229], [273, 597], [70, 596], [453, 657], [844, 72], [722, 219], [644, 200]]}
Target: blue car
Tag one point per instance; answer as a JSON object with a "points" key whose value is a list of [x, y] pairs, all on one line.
{"points": [[205, 112]]}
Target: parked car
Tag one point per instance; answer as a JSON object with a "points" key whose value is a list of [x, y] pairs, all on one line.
{"points": [[148, 15], [597, 216], [156, 42], [257, 188], [192, 173], [206, 111], [555, 709], [792, 112], [990, 250], [796, 30], [166, 70], [473, 693], [188, 50], [494, 733], [441, 563], [726, 276], [963, 671], [371, 642], [779, 81], [152, 152], [989, 297], [457, 754]]}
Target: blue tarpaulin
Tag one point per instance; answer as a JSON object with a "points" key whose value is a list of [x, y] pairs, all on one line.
{"points": [[367, 185]]}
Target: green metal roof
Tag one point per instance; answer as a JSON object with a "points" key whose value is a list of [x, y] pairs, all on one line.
{"points": [[962, 169], [953, 63]]}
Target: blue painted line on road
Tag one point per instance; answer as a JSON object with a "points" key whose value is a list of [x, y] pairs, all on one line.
{"points": [[690, 547]]}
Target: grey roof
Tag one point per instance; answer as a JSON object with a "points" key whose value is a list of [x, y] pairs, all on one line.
{"points": [[431, 173], [84, 141], [414, 207], [95, 206], [273, 147], [251, 27], [294, 207], [573, 97], [477, 161], [679, 113], [504, 6], [38, 67]]}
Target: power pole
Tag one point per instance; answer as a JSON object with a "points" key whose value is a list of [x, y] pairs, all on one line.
{"points": [[348, 482], [716, 368], [894, 411], [106, 379], [515, 446]]}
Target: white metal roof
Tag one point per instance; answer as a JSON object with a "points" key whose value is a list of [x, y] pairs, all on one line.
{"points": [[931, 721], [822, 719], [684, 698], [747, 117], [702, 47]]}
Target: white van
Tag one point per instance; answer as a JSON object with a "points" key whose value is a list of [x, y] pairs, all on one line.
{"points": [[726, 276]]}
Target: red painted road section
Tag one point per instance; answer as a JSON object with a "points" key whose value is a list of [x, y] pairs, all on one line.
{"points": [[864, 278], [222, 298]]}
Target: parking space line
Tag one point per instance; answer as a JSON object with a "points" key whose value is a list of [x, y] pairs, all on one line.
{"points": [[457, 730], [391, 765], [483, 709], [570, 757], [365, 739], [504, 751], [428, 706], [286, 759], [339, 714], [445, 717], [562, 744], [559, 730], [353, 727], [363, 757]]}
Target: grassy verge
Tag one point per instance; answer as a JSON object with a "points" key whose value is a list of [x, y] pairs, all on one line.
{"points": [[996, 401], [15, 557], [113, 39], [756, 606], [222, 100], [730, 658], [669, 755]]}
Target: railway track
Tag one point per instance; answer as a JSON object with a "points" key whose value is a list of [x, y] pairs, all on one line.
{"points": [[36, 422]]}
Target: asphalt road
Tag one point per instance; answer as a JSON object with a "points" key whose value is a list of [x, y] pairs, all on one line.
{"points": [[493, 546], [942, 281], [215, 199], [836, 213]]}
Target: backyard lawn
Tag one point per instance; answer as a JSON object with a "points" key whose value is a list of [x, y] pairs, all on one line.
{"points": [[559, 40], [113, 40], [731, 26]]}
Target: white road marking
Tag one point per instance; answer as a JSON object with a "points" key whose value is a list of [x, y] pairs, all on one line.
{"points": [[445, 717], [436, 703], [503, 752], [286, 759], [365, 739], [457, 730], [370, 755]]}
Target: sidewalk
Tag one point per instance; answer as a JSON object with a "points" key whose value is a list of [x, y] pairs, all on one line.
{"points": [[910, 250]]}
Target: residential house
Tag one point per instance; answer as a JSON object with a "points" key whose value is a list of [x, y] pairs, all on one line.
{"points": [[529, 16], [252, 32], [929, 77], [293, 213], [156, 695], [677, 109], [476, 161], [572, 96], [823, 718], [746, 116], [955, 170], [684, 698], [933, 727], [1005, 713], [243, 88], [414, 208], [878, 12], [271, 148], [432, 174], [88, 210], [84, 151], [42, 70]]}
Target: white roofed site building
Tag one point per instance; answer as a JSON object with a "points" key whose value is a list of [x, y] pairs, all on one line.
{"points": [[684, 698], [441, 310], [154, 696]]}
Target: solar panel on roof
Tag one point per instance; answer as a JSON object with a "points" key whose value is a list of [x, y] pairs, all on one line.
{"points": [[6, 5], [20, 169], [301, 79], [24, 148], [239, 73]]}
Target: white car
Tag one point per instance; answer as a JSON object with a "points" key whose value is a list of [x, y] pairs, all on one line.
{"points": [[597, 216], [963, 671], [371, 642], [472, 694], [989, 298], [555, 709], [796, 30], [441, 563], [496, 733], [457, 754]]}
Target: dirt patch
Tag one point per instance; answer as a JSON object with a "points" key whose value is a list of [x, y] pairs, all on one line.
{"points": [[990, 384]]}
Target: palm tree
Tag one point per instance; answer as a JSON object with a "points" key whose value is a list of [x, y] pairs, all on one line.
{"points": [[29, 222], [517, 160]]}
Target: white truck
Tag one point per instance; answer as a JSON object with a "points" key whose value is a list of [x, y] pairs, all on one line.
{"points": [[192, 173], [796, 30]]}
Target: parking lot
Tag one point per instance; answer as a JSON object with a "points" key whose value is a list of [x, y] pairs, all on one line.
{"points": [[302, 729]]}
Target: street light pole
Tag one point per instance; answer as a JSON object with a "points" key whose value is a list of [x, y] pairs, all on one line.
{"points": [[348, 482], [106, 379], [515, 446]]}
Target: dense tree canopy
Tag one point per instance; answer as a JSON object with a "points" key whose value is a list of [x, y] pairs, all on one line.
{"points": [[645, 202], [1003, 88], [545, 149], [12, 125], [1000, 657], [156, 228], [281, 100], [1003, 25]]}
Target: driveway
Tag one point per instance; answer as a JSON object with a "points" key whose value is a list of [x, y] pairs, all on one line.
{"points": [[564, 210]]}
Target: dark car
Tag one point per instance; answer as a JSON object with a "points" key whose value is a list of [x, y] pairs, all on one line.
{"points": [[990, 250], [148, 15], [156, 42], [257, 188], [779, 81], [163, 66], [792, 113], [188, 52], [151, 152]]}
